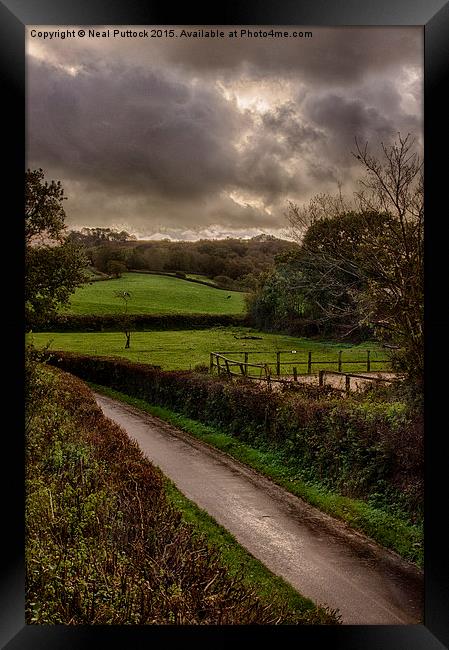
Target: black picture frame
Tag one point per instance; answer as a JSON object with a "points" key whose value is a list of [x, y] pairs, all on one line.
{"points": [[433, 15]]}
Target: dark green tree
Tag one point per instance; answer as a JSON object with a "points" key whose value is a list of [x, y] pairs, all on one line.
{"points": [[116, 268], [54, 267], [369, 259], [98, 236], [335, 265]]}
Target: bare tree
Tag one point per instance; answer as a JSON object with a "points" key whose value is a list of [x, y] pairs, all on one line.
{"points": [[362, 259], [320, 206], [394, 301]]}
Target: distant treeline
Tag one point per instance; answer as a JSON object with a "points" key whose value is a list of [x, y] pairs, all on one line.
{"points": [[232, 263]]}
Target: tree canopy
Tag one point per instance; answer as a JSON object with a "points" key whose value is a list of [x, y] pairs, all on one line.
{"points": [[54, 267], [98, 236]]}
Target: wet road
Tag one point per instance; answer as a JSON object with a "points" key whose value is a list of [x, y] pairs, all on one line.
{"points": [[319, 556]]}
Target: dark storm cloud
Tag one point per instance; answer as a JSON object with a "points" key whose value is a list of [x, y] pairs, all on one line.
{"points": [[132, 129], [336, 56], [169, 135], [345, 119], [285, 121], [332, 55]]}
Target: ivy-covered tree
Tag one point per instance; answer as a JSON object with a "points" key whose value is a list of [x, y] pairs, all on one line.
{"points": [[54, 267]]}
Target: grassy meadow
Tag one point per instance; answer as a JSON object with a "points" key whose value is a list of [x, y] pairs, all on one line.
{"points": [[154, 294], [184, 349]]}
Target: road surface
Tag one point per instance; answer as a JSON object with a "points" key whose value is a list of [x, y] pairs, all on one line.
{"points": [[318, 555]]}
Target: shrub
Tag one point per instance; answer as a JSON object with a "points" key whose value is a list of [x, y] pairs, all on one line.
{"points": [[201, 367], [224, 281], [116, 268], [112, 322]]}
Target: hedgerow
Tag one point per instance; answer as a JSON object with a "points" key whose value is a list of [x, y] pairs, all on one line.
{"points": [[103, 543], [358, 447], [114, 322]]}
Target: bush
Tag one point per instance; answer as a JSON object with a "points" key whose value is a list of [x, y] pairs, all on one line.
{"points": [[113, 322], [116, 268], [224, 282], [201, 367]]}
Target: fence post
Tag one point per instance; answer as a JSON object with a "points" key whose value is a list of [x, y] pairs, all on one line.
{"points": [[339, 360], [246, 362], [268, 376], [309, 363], [347, 384], [211, 365], [295, 374], [227, 368], [218, 366], [321, 378], [278, 363], [368, 361]]}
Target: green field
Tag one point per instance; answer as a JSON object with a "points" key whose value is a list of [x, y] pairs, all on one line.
{"points": [[184, 349], [155, 294]]}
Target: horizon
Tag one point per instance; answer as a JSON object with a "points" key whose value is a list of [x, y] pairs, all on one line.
{"points": [[156, 238]]}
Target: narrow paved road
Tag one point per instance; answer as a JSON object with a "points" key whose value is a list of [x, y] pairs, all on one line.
{"points": [[319, 556]]}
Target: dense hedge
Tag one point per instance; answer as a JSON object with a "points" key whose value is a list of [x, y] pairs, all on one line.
{"points": [[308, 328], [114, 322], [359, 448], [103, 544], [182, 275]]}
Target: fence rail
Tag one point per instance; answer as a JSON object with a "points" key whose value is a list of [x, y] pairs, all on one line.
{"points": [[223, 363], [227, 366], [348, 376]]}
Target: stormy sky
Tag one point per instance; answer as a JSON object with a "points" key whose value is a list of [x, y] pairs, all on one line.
{"points": [[188, 138]]}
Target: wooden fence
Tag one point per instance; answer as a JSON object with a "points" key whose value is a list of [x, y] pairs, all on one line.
{"points": [[223, 363], [348, 376], [228, 366]]}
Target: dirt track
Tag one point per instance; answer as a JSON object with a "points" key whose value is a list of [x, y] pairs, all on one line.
{"points": [[320, 556]]}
